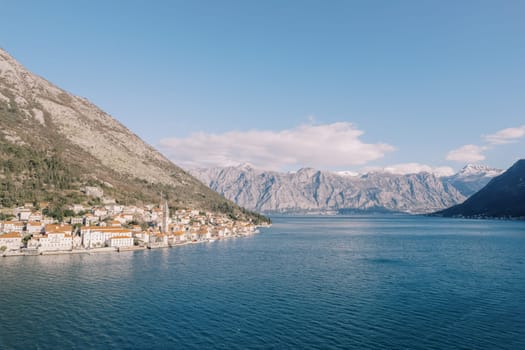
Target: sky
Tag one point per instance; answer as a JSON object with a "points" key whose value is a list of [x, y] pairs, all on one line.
{"points": [[335, 85]]}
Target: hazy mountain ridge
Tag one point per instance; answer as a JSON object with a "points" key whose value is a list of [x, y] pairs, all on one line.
{"points": [[40, 122], [310, 190]]}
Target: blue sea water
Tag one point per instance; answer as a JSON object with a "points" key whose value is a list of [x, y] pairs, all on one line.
{"points": [[357, 282]]}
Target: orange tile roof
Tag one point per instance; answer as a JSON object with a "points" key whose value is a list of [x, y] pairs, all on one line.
{"points": [[105, 229], [90, 227], [55, 227], [10, 222], [34, 223], [11, 235], [117, 230]]}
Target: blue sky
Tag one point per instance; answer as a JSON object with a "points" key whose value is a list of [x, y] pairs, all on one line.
{"points": [[215, 82]]}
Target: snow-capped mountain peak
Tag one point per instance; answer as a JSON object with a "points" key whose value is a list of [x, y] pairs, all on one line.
{"points": [[478, 170], [347, 173]]}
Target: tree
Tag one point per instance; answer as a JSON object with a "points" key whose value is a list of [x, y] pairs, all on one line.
{"points": [[26, 239], [68, 212]]}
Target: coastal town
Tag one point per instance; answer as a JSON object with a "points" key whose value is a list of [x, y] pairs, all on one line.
{"points": [[112, 227]]}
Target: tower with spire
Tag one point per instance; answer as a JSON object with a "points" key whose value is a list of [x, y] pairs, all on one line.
{"points": [[165, 214]]}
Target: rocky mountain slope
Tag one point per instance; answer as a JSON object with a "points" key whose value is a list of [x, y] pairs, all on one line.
{"points": [[53, 143], [310, 190], [504, 196]]}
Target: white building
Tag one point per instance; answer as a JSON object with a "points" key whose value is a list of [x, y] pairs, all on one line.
{"points": [[55, 241], [121, 219], [12, 241], [76, 220], [34, 242], [36, 216], [13, 226], [100, 212], [143, 236], [90, 220], [203, 234], [22, 213], [77, 208], [114, 209], [34, 227], [98, 236], [121, 242], [46, 220], [93, 238], [57, 237], [179, 236]]}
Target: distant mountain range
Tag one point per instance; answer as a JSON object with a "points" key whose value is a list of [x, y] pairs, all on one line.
{"points": [[314, 191], [53, 144], [504, 196]]}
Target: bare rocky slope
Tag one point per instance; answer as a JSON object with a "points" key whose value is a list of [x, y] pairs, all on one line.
{"points": [[314, 191], [53, 143]]}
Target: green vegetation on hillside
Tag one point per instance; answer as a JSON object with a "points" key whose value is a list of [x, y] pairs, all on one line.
{"points": [[29, 175], [49, 172], [40, 163]]}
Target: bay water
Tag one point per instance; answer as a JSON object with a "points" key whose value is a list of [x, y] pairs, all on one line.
{"points": [[348, 282]]}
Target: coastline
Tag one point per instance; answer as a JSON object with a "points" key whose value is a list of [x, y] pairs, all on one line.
{"points": [[123, 249]]}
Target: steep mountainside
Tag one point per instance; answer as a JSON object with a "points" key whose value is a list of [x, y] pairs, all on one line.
{"points": [[504, 196], [53, 143], [310, 190], [472, 178]]}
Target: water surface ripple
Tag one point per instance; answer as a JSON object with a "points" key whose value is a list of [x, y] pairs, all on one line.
{"points": [[385, 282]]}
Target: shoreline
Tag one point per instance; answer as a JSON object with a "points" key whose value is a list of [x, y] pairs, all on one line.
{"points": [[120, 249]]}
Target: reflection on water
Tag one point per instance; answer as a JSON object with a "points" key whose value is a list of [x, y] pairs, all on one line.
{"points": [[392, 282]]}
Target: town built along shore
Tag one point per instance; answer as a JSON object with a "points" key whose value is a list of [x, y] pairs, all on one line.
{"points": [[113, 228]]}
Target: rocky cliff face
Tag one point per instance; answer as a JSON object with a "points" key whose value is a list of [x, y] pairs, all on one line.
{"points": [[41, 121], [310, 190]]}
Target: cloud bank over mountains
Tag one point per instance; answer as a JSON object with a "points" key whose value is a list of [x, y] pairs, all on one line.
{"points": [[467, 154], [412, 168], [328, 146], [337, 146], [475, 153]]}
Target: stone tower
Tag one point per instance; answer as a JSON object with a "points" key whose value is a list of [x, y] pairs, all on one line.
{"points": [[165, 215]]}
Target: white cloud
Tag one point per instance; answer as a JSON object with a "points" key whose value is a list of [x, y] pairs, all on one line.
{"points": [[413, 168], [326, 146], [467, 153], [506, 135], [474, 153]]}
